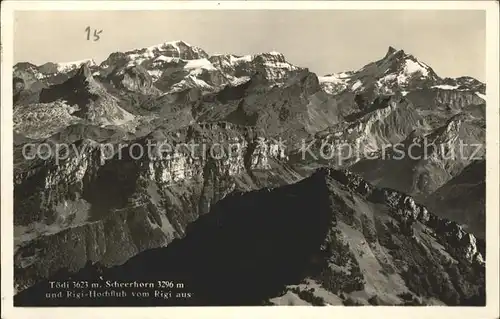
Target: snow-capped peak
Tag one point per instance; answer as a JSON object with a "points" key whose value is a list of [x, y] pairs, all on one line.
{"points": [[445, 87], [334, 78], [398, 70], [275, 53], [415, 66]]}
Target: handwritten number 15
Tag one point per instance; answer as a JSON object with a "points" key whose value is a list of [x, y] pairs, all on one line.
{"points": [[96, 34]]}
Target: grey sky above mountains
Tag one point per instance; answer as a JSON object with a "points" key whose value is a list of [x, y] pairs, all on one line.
{"points": [[453, 43]]}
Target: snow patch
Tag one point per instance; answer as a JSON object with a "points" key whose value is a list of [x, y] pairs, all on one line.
{"points": [[155, 74]]}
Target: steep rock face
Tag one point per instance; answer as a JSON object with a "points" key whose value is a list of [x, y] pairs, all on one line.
{"points": [[360, 244], [445, 98], [18, 85]]}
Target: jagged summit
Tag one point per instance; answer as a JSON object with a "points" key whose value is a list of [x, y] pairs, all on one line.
{"points": [[248, 57], [396, 72]]}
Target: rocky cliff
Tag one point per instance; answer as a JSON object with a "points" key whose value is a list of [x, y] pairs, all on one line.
{"points": [[155, 150]]}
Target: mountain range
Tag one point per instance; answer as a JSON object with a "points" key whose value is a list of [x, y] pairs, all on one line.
{"points": [[315, 207]]}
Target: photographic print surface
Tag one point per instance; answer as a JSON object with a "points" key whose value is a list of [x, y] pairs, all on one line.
{"points": [[249, 158]]}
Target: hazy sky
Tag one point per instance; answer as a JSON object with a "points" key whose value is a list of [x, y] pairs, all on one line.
{"points": [[451, 42]]}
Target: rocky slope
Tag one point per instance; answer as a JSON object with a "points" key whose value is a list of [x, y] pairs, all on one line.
{"points": [[360, 245], [221, 125]]}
